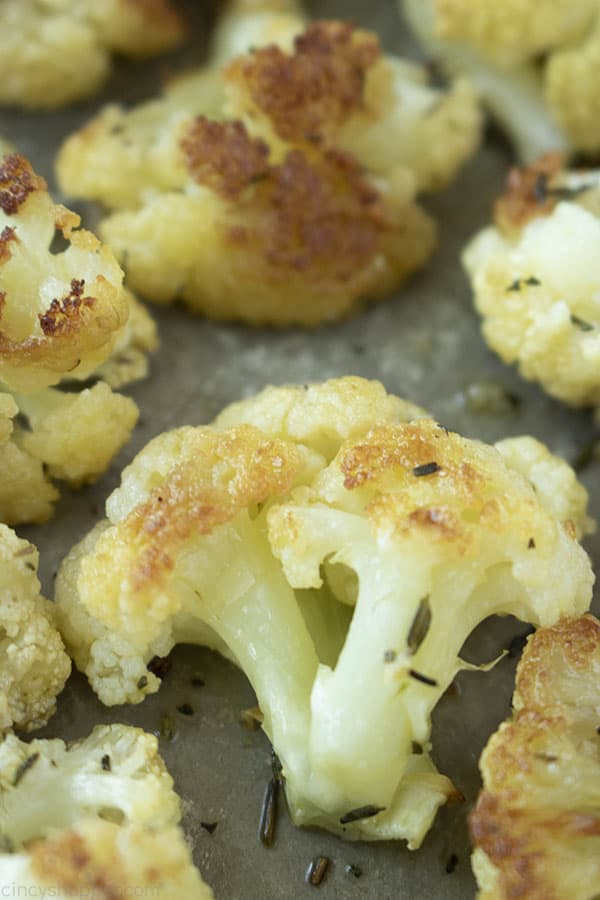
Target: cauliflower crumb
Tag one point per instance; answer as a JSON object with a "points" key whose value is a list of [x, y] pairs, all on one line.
{"points": [[54, 53], [535, 63], [64, 316], [368, 543], [535, 826], [276, 186], [33, 663], [98, 815], [535, 274]]}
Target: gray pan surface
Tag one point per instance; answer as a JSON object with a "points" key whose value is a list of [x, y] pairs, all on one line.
{"points": [[423, 344]]}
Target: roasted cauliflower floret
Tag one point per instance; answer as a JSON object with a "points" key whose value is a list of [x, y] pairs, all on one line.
{"points": [[33, 663], [368, 542], [535, 276], [277, 185], [535, 63], [54, 52], [96, 815], [536, 827], [64, 316]]}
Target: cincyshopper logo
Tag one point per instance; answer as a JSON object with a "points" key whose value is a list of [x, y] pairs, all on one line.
{"points": [[40, 892]]}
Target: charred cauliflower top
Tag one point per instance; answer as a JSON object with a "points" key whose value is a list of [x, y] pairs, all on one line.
{"points": [[94, 818], [64, 315], [54, 52], [535, 275], [278, 184], [340, 547], [33, 663], [535, 63], [536, 827]]}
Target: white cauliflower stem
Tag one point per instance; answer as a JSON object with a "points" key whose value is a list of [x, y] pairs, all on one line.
{"points": [[536, 828], [288, 168], [342, 547], [535, 276], [33, 663], [96, 815], [54, 52], [535, 64], [64, 316]]}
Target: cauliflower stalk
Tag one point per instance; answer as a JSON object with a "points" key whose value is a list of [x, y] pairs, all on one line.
{"points": [[33, 663], [64, 316], [55, 52], [99, 814], [535, 64], [277, 185], [535, 826], [342, 547], [535, 276]]}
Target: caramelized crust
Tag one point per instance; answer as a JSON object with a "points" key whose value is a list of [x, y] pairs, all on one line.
{"points": [[311, 93], [223, 156], [526, 195], [62, 316], [315, 213], [66, 861], [17, 182]]}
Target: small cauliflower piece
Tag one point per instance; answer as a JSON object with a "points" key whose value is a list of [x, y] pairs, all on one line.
{"points": [[368, 542], [535, 64], [33, 663], [96, 815], [536, 827], [535, 277], [55, 52], [64, 316], [278, 185]]}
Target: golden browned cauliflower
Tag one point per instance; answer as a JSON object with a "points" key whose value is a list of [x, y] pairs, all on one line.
{"points": [[535, 275], [64, 316], [33, 663], [277, 185], [53, 52], [340, 546], [96, 818], [535, 63], [536, 826]]}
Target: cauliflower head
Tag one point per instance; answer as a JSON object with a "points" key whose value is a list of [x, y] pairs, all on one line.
{"points": [[64, 316], [33, 663], [535, 276], [535, 827], [96, 815], [341, 546], [277, 185], [534, 62], [55, 52]]}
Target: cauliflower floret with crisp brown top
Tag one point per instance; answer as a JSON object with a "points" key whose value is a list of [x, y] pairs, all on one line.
{"points": [[98, 815], [536, 827], [368, 543], [55, 52], [33, 663], [535, 277], [64, 316], [277, 185], [535, 63]]}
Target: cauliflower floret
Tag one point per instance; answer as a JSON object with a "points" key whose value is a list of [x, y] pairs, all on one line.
{"points": [[535, 827], [534, 62], [64, 316], [54, 52], [278, 184], [368, 543], [33, 664], [535, 277], [97, 815]]}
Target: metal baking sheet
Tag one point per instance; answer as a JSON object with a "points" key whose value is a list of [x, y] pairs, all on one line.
{"points": [[423, 344]]}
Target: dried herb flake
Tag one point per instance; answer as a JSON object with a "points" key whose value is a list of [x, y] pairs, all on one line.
{"points": [[24, 767], [420, 625], [362, 812]]}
